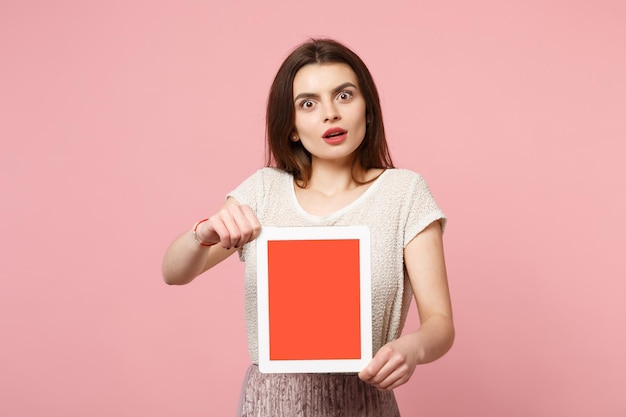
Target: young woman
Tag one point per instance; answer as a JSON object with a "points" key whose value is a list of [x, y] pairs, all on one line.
{"points": [[328, 164]]}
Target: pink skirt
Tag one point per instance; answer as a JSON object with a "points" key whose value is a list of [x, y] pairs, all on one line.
{"points": [[312, 395]]}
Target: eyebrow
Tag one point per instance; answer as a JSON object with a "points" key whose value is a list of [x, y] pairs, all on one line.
{"points": [[335, 91]]}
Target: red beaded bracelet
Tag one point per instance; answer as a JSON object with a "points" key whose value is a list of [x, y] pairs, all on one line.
{"points": [[195, 235]]}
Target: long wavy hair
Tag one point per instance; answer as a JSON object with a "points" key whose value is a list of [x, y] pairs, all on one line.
{"points": [[291, 156]]}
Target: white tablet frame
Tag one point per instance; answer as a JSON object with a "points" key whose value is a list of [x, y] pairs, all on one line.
{"points": [[360, 233]]}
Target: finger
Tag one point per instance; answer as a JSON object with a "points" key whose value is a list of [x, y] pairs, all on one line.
{"points": [[384, 373], [212, 230], [243, 224], [252, 220], [396, 372], [229, 232], [382, 377], [396, 378], [388, 369], [375, 365]]}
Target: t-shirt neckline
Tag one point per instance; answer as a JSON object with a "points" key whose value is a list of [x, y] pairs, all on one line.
{"points": [[357, 201]]}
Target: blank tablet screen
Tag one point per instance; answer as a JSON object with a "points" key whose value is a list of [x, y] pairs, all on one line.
{"points": [[314, 299]]}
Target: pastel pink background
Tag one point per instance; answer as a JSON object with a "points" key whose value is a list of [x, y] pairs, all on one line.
{"points": [[124, 122]]}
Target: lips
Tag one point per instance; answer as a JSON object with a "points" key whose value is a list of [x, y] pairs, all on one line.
{"points": [[335, 135], [334, 132]]}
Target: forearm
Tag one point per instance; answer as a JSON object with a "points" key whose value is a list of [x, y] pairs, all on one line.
{"points": [[424, 260], [433, 339], [184, 260], [230, 228]]}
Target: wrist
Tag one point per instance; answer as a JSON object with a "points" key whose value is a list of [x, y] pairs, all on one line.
{"points": [[196, 235]]}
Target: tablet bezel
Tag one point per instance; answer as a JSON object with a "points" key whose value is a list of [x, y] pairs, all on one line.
{"points": [[360, 233]]}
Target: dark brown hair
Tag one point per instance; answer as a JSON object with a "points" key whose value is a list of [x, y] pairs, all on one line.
{"points": [[291, 156]]}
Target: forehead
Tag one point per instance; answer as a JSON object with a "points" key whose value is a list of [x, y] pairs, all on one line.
{"points": [[318, 78]]}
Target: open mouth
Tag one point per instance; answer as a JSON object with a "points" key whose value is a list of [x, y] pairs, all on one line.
{"points": [[333, 133]]}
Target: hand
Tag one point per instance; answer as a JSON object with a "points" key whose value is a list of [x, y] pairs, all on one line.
{"points": [[392, 365], [233, 226]]}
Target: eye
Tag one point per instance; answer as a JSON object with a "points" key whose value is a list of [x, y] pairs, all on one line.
{"points": [[306, 104], [345, 95]]}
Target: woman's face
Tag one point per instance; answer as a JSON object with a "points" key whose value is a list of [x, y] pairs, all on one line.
{"points": [[330, 111]]}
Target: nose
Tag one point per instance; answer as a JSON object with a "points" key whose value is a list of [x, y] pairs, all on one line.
{"points": [[332, 114]]}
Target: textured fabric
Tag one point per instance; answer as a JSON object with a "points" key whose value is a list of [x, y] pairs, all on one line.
{"points": [[312, 395], [396, 207]]}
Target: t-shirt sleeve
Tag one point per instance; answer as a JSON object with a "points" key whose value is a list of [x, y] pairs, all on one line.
{"points": [[422, 209], [249, 191]]}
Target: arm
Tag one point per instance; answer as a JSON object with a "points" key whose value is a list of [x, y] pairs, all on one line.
{"points": [[395, 362], [230, 228]]}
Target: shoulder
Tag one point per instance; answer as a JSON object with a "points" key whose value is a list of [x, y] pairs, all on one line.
{"points": [[264, 180], [272, 172], [267, 175], [408, 185], [402, 176], [417, 202]]}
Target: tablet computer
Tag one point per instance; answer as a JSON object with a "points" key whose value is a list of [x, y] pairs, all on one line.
{"points": [[314, 299]]}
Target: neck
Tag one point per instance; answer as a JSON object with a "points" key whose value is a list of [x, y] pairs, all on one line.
{"points": [[331, 177]]}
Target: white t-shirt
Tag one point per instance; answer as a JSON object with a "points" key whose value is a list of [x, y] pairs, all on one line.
{"points": [[396, 207]]}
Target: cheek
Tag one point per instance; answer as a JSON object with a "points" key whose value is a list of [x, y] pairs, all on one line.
{"points": [[359, 112], [359, 117], [303, 123]]}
